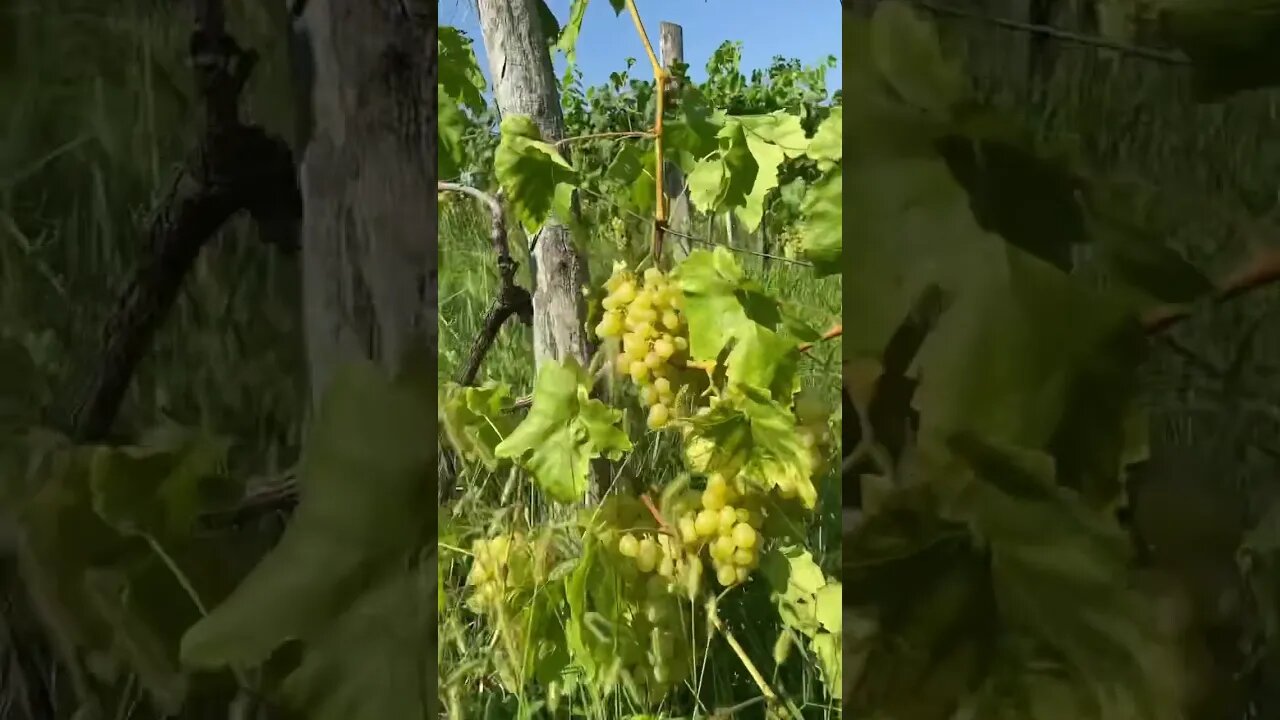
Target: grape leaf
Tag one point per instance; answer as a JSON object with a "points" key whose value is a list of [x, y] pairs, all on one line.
{"points": [[110, 596], [829, 600], [1036, 327], [451, 126], [829, 654], [365, 485], [564, 430], [460, 77], [971, 570], [529, 170], [827, 144], [476, 419], [770, 139], [725, 179], [822, 235], [690, 136], [568, 42], [907, 53], [159, 490], [374, 659], [724, 309], [747, 434]]}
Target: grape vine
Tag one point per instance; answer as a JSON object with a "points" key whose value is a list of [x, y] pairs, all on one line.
{"points": [[709, 359]]}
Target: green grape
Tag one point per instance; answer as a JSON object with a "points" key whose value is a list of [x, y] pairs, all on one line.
{"points": [[744, 536], [625, 292], [662, 385], [722, 548], [706, 522], [810, 409], [610, 325], [658, 416], [744, 557], [688, 529], [639, 371], [726, 575], [740, 574], [628, 545], [649, 395], [727, 519], [653, 360], [647, 555], [713, 499]]}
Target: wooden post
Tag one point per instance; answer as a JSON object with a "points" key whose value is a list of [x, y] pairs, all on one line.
{"points": [[671, 44]]}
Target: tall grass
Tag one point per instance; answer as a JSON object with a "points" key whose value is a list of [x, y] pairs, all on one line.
{"points": [[97, 111]]}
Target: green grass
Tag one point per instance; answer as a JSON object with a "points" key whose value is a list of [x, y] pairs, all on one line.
{"points": [[90, 142], [491, 503]]}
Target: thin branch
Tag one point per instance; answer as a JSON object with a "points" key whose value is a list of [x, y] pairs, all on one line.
{"points": [[236, 167], [511, 299], [836, 331], [1260, 271]]}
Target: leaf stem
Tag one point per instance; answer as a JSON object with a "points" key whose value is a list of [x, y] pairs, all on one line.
{"points": [[834, 332]]}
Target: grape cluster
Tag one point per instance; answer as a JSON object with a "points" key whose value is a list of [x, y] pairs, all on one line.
{"points": [[728, 525], [647, 316], [488, 576], [659, 656], [812, 415], [506, 563]]}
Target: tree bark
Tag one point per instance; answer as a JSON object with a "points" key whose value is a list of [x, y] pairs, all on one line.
{"points": [[368, 183], [524, 84]]}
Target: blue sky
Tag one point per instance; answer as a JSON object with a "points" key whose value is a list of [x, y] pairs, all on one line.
{"points": [[805, 29]]}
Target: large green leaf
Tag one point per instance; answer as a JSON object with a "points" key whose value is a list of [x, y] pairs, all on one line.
{"points": [[160, 490], [529, 171], [981, 575], [726, 310], [905, 50], [565, 429], [460, 77], [477, 419], [365, 503], [113, 596], [376, 659], [822, 235]]}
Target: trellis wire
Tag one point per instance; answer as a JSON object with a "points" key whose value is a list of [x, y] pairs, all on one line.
{"points": [[1145, 53]]}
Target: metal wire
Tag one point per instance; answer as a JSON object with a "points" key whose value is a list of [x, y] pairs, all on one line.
{"points": [[1146, 53]]}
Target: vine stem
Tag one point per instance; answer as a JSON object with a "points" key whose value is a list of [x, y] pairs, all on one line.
{"points": [[657, 515], [1259, 271], [834, 332], [660, 81], [713, 616]]}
